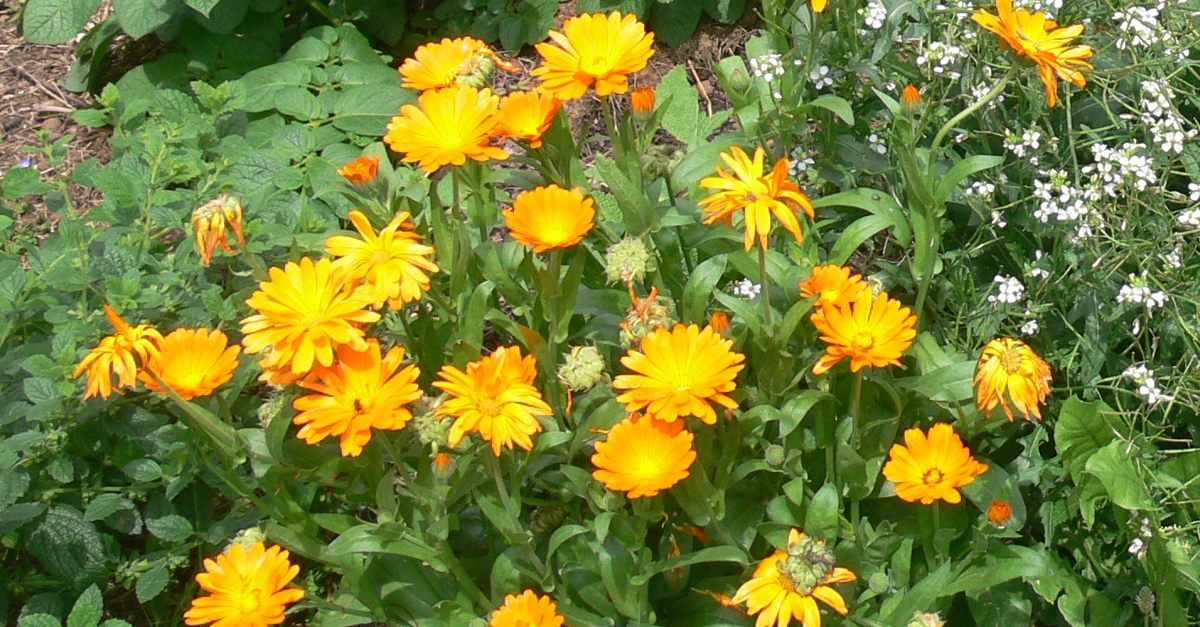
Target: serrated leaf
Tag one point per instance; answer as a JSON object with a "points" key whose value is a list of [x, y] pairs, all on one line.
{"points": [[141, 17], [68, 546], [821, 517], [367, 109], [105, 505], [682, 110], [56, 21], [39, 620], [39, 390], [88, 608], [151, 583], [13, 484]]}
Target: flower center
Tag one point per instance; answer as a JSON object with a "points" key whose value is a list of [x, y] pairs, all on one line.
{"points": [[380, 257], [863, 341], [490, 407], [246, 601], [1011, 360], [932, 476]]}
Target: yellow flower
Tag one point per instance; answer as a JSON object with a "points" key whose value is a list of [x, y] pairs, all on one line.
{"points": [[495, 397], [1009, 365], [642, 456], [550, 217], [933, 467], [527, 114], [393, 263], [248, 588], [818, 6], [305, 311], [596, 49], [363, 391], [448, 63], [679, 372], [361, 171], [526, 610], [787, 584], [209, 222], [192, 362], [870, 331], [748, 189], [642, 101], [1041, 41], [834, 284], [449, 126], [122, 353]]}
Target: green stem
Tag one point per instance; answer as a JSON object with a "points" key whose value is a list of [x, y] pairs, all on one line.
{"points": [[855, 435], [221, 434], [455, 176], [514, 510], [952, 122], [256, 267], [460, 573], [765, 280]]}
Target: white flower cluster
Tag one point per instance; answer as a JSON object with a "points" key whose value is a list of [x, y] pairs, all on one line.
{"points": [[1140, 28], [767, 67], [1034, 270], [1158, 112], [876, 14], [1174, 259], [1062, 202], [1138, 291], [1010, 290], [982, 189], [746, 289], [1190, 218], [1194, 192], [941, 58], [1120, 167], [1147, 385], [801, 162], [876, 143], [1030, 328], [1138, 548], [820, 77], [1027, 142]]}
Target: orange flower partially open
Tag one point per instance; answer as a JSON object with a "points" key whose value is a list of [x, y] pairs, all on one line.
{"points": [[124, 354], [447, 127], [193, 362], [1009, 369], [1042, 41], [361, 171], [550, 217], [745, 188], [642, 101], [527, 114], [834, 284], [643, 456], [249, 588], [596, 49]]}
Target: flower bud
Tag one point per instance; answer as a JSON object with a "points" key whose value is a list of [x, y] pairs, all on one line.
{"points": [[582, 369], [922, 619], [431, 428], [443, 466], [476, 70], [999, 513], [910, 100], [644, 317], [775, 455], [627, 261], [361, 171], [248, 537], [808, 564], [642, 100]]}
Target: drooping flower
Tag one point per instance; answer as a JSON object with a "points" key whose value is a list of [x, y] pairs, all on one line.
{"points": [[834, 284], [550, 217], [1041, 41], [1009, 365], [249, 588], [787, 584], [595, 49], [393, 263], [679, 372], [305, 311], [362, 391], [447, 126], [361, 171], [495, 397], [642, 101], [643, 456], [871, 331], [123, 353], [193, 362], [526, 115], [526, 610], [450, 62], [927, 468], [747, 189], [210, 220]]}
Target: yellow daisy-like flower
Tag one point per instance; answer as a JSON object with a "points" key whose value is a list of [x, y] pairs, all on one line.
{"points": [[550, 217], [643, 456], [818, 6], [1041, 41], [305, 311], [393, 263], [928, 468], [447, 63], [1009, 365], [249, 588], [526, 610], [123, 354], [595, 49], [747, 189], [834, 284], [363, 391], [679, 372], [447, 127], [495, 397], [192, 362], [361, 171], [787, 584], [527, 115], [870, 331]]}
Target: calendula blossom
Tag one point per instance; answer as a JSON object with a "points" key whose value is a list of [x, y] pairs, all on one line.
{"points": [[450, 62], [248, 588], [594, 50], [789, 583], [526, 115], [642, 102], [210, 222], [447, 127], [745, 188], [930, 467], [1041, 41], [361, 171], [1009, 369], [495, 397], [550, 217], [193, 362], [393, 262], [123, 354], [642, 456], [871, 331], [834, 284], [527, 609]]}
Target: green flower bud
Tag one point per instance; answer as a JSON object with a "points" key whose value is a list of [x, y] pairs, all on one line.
{"points": [[627, 261], [431, 428], [475, 71], [247, 537], [776, 455], [922, 619], [583, 368], [808, 564]]}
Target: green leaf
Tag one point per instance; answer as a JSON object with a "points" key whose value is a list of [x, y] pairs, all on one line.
{"points": [[151, 583], [1113, 466], [164, 523], [639, 214], [56, 21], [299, 103], [855, 234], [948, 384], [797, 407], [19, 182], [873, 201], [821, 517], [68, 546], [725, 11], [1081, 430], [712, 554], [203, 6], [15, 516], [367, 109], [837, 105], [13, 484], [39, 620], [141, 17], [675, 21], [105, 505], [960, 171], [87, 609], [681, 109], [699, 288]]}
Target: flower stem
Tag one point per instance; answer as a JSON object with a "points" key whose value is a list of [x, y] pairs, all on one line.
{"points": [[986, 98], [513, 510], [765, 281], [855, 435]]}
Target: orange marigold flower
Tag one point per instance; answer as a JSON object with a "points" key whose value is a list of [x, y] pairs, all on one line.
{"points": [[495, 397], [526, 610], [642, 101], [596, 49], [305, 311], [870, 331], [526, 115], [361, 171], [787, 584], [449, 62], [393, 263], [911, 96], [192, 362], [834, 284], [1009, 365], [122, 353], [249, 588], [643, 456], [999, 513], [747, 189], [447, 127], [210, 220], [1041, 41], [679, 372], [363, 391], [927, 468], [550, 217]]}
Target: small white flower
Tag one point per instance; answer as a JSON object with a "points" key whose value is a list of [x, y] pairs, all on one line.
{"points": [[1030, 328], [876, 143], [820, 77], [876, 14], [1194, 192], [746, 289], [1009, 290], [1138, 548], [1148, 388], [1190, 218]]}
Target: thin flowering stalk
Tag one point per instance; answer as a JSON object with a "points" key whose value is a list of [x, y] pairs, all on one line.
{"points": [[764, 279], [962, 115]]}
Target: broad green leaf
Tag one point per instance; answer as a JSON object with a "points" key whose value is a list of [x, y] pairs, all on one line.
{"points": [[56, 21], [821, 515], [712, 554], [68, 546], [152, 582], [38, 620], [88, 608], [367, 109], [855, 234], [1114, 468], [203, 6], [948, 384], [837, 105], [1081, 430], [638, 213], [141, 17], [105, 505], [700, 287], [960, 171], [797, 407], [873, 201]]}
